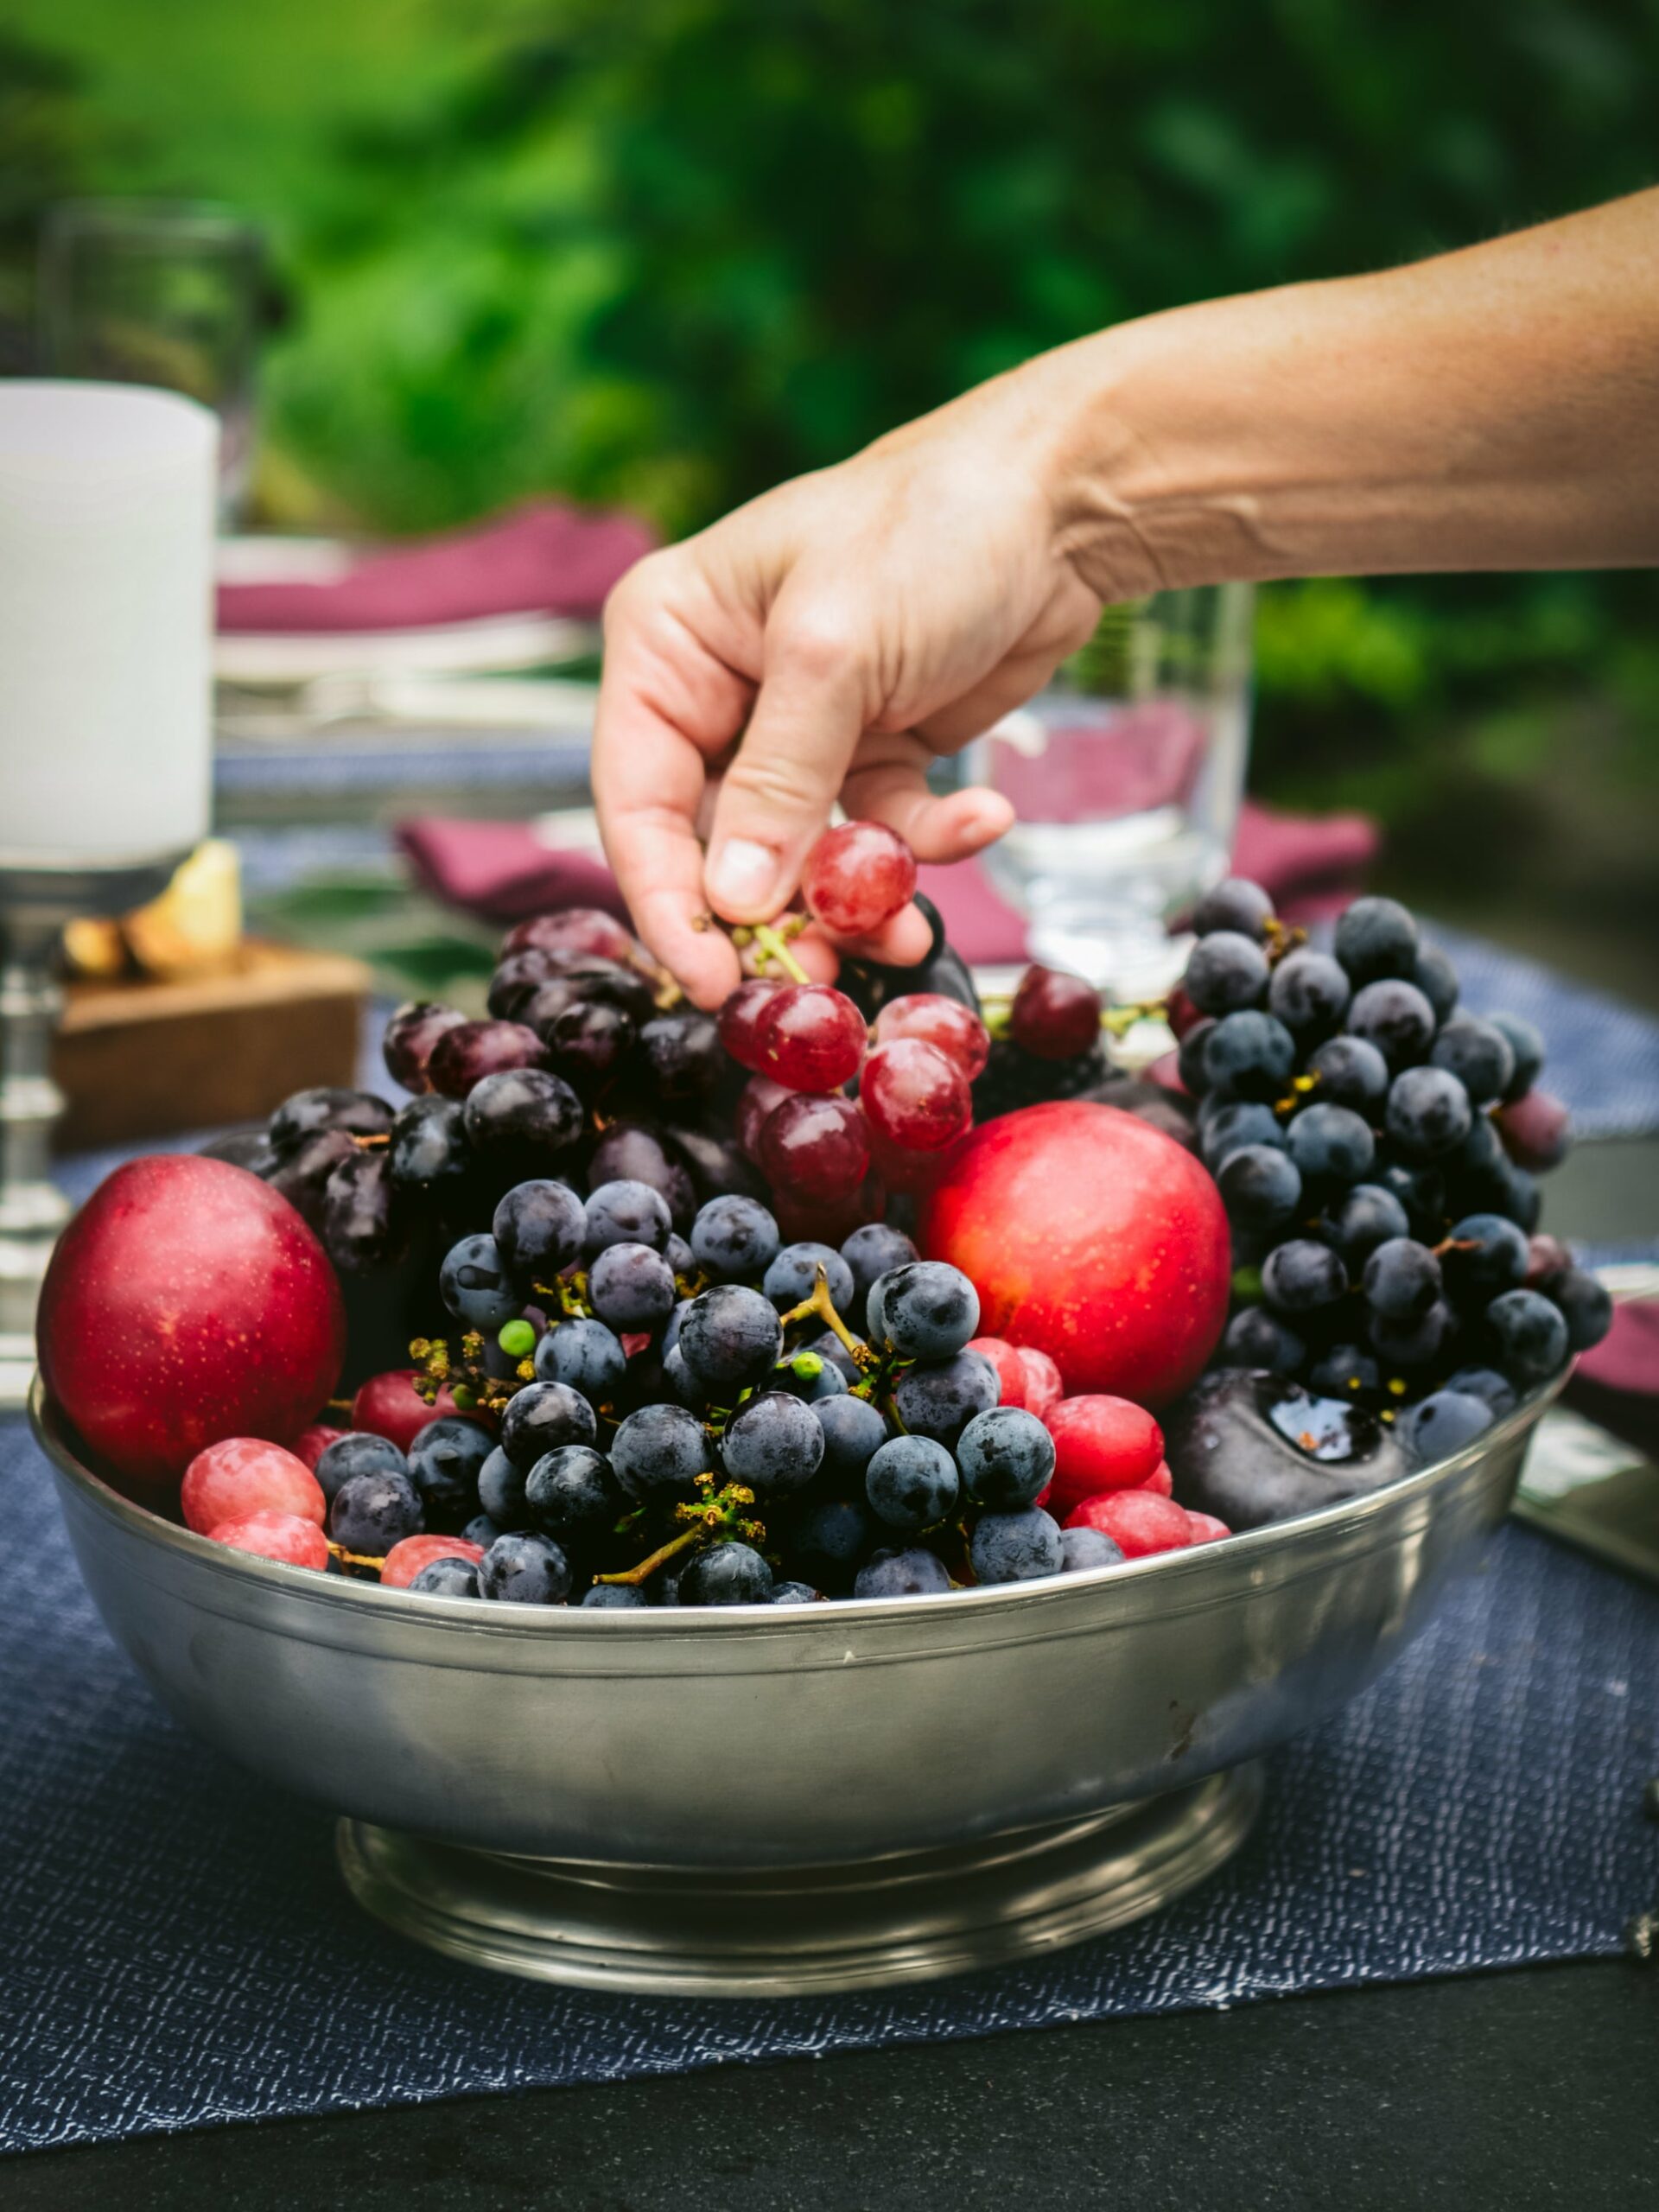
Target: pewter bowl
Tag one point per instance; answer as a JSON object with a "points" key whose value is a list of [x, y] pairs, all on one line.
{"points": [[772, 1801]]}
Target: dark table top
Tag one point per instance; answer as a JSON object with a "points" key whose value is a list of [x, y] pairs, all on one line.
{"points": [[1532, 2087]]}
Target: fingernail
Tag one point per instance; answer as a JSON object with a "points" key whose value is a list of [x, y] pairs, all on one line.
{"points": [[742, 874]]}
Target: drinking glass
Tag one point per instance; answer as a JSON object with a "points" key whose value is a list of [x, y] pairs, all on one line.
{"points": [[1126, 779], [160, 292]]}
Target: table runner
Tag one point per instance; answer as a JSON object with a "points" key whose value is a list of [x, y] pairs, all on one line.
{"points": [[178, 1950]]}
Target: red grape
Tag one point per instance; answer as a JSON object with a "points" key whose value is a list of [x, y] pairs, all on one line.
{"points": [[1137, 1521], [243, 1475], [1102, 1443], [1546, 1256], [818, 1146], [578, 929], [740, 1020], [311, 1443], [951, 1028], [410, 1035], [1160, 1482], [285, 1536], [812, 1038], [760, 1100], [389, 1405], [1206, 1529], [465, 1056], [915, 1097], [1180, 1013], [857, 876], [1044, 1386], [520, 975], [411, 1553], [1536, 1130], [1055, 1015], [1010, 1374]]}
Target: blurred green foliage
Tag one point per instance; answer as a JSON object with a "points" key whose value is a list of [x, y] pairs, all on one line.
{"points": [[668, 253]]}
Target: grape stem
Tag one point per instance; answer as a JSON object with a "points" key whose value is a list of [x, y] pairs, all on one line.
{"points": [[632, 1577], [770, 944], [822, 1305]]}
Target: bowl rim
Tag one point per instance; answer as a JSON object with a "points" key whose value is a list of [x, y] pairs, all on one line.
{"points": [[1247, 1549]]}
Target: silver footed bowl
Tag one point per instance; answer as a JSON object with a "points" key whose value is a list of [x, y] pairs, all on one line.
{"points": [[771, 1800]]}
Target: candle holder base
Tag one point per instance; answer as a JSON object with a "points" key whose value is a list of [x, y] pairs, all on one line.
{"points": [[35, 902]]}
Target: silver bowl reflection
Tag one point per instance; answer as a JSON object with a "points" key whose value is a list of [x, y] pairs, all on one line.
{"points": [[772, 1801]]}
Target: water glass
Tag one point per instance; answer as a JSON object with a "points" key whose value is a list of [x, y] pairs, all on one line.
{"points": [[160, 292], [1126, 779]]}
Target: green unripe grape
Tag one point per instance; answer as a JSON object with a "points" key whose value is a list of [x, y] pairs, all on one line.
{"points": [[517, 1339]]}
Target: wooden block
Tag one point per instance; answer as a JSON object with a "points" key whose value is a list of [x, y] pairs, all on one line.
{"points": [[140, 1060]]}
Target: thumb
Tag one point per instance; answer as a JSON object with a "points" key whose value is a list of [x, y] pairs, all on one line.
{"points": [[777, 794]]}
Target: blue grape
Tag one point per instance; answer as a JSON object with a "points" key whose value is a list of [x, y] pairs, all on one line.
{"points": [[912, 1574], [1309, 994], [729, 1337], [1255, 1337], [1401, 1279], [1527, 1047], [1344, 1371], [789, 1280], [1189, 1057], [658, 1453], [682, 1260], [938, 1399], [1428, 1115], [1331, 1144], [1421, 1191], [1235, 904], [1478, 1054], [370, 1513], [1348, 1072], [357, 1453], [874, 1250], [614, 1597], [632, 1288], [625, 1212], [445, 1459], [774, 1444], [831, 1350], [1494, 1389], [853, 1431], [830, 1537], [1249, 1055], [474, 1284], [1260, 1187], [1375, 938], [680, 1383], [1358, 1221], [1226, 972], [1584, 1306], [1529, 1334], [584, 1355], [924, 1309], [793, 1593], [1016, 1546], [525, 1569], [480, 1529], [1083, 1548], [1006, 1456], [1488, 1255], [1396, 1018], [726, 1574], [1437, 979], [1302, 1277], [539, 1230], [734, 1239], [808, 1376], [539, 1418], [1413, 1344], [911, 1483], [1228, 1128], [448, 1577], [429, 1149], [501, 1492], [571, 1491]]}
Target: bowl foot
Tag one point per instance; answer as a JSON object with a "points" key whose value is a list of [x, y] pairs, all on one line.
{"points": [[797, 1932]]}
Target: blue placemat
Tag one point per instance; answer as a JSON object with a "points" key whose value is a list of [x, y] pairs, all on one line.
{"points": [[178, 1950]]}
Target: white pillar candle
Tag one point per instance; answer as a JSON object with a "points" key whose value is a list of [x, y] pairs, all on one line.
{"points": [[107, 495]]}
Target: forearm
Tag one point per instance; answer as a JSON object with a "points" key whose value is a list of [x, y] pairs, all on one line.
{"points": [[1493, 409]]}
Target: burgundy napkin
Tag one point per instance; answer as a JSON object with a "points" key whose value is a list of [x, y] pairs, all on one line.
{"points": [[1627, 1359], [501, 871], [541, 560]]}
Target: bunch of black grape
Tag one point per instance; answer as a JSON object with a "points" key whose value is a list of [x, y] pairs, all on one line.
{"points": [[1375, 1150], [701, 1426], [587, 1068]]}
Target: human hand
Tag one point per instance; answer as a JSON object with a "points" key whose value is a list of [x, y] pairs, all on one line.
{"points": [[827, 642]]}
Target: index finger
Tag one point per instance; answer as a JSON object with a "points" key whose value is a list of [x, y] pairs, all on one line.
{"points": [[666, 704]]}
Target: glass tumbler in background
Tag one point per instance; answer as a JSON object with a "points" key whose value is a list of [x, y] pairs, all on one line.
{"points": [[160, 292], [1125, 779]]}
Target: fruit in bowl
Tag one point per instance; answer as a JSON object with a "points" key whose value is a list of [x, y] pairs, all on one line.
{"points": [[185, 1302], [746, 1310]]}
